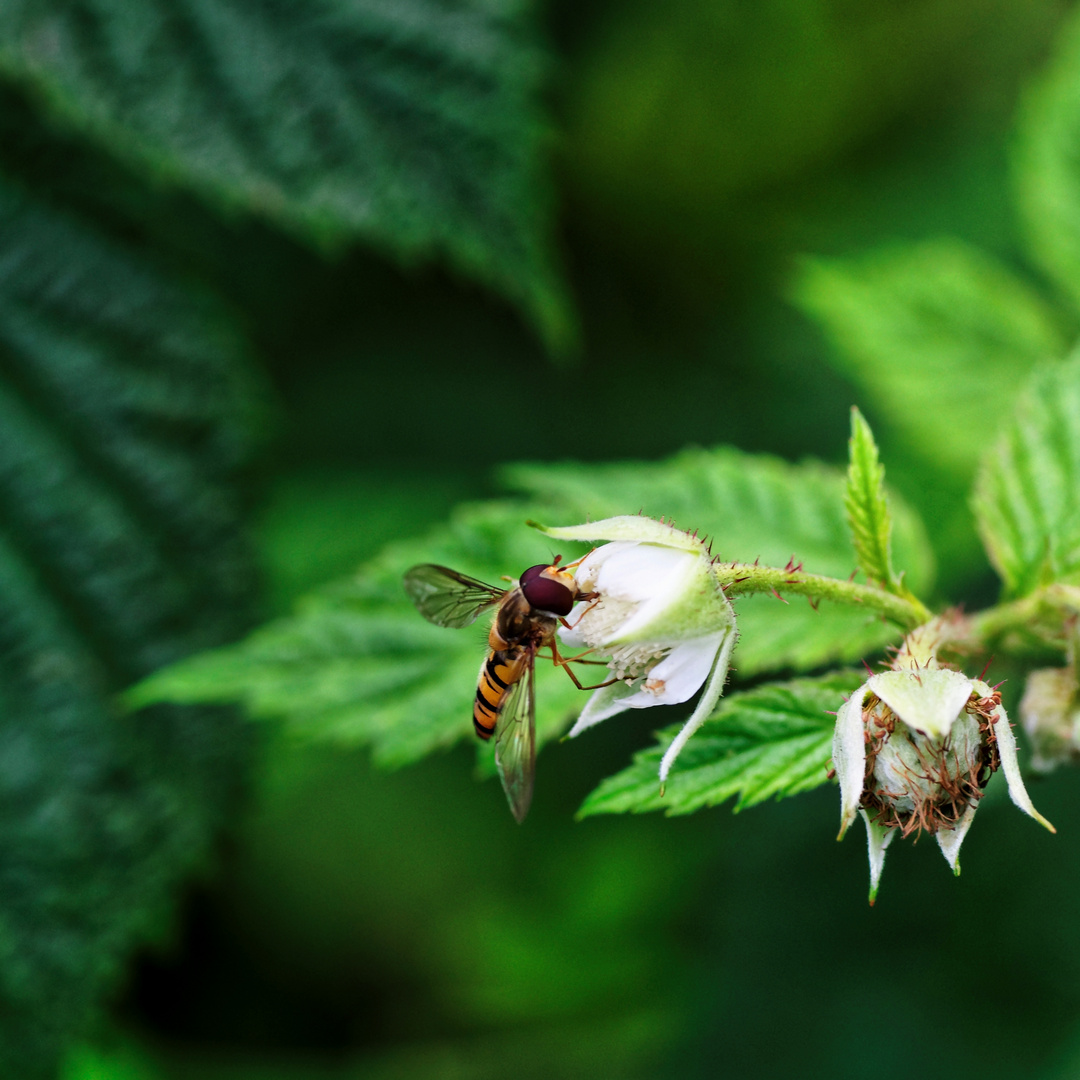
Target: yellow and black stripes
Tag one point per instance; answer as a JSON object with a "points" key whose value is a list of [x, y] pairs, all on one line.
{"points": [[497, 676]]}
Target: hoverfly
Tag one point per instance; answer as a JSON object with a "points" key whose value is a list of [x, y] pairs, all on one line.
{"points": [[526, 618]]}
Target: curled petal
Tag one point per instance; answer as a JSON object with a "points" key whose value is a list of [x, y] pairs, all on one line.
{"points": [[849, 755]]}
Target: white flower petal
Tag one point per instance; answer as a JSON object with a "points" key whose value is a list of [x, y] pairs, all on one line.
{"points": [[1010, 765], [639, 571], [849, 755], [949, 840], [704, 707], [605, 702], [680, 674], [928, 700], [878, 838]]}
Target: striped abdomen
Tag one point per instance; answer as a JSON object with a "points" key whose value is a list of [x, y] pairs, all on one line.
{"points": [[500, 671]]}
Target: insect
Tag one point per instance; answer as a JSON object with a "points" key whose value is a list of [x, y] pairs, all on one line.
{"points": [[526, 618]]}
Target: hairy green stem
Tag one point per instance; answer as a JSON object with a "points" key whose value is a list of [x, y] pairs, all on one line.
{"points": [[739, 579], [1041, 617], [1032, 622]]}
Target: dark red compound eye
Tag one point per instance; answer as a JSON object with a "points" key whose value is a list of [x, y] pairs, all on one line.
{"points": [[544, 593]]}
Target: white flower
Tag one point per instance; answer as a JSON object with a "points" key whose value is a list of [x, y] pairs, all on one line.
{"points": [[658, 616], [913, 750]]}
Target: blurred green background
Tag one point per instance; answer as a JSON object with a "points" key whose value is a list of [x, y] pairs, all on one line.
{"points": [[352, 923]]}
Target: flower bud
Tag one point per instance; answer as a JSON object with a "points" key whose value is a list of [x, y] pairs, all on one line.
{"points": [[922, 783], [1050, 713], [914, 749]]}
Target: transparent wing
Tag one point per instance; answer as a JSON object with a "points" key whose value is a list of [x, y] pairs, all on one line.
{"points": [[515, 742], [447, 598]]}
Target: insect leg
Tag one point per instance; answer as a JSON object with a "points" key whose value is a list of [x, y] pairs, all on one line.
{"points": [[594, 597], [580, 659], [577, 562], [565, 662]]}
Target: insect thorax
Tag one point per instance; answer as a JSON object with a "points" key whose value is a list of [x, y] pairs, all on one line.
{"points": [[518, 623]]}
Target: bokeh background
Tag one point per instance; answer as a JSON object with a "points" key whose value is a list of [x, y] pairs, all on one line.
{"points": [[346, 922]]}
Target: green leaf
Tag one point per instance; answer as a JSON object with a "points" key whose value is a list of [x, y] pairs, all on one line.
{"points": [[1027, 495], [937, 334], [124, 413], [357, 664], [867, 507], [1045, 166], [414, 126], [765, 743]]}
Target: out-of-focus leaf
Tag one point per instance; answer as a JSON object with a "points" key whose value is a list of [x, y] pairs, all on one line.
{"points": [[1027, 495], [412, 125], [319, 524], [1046, 168], [867, 507], [751, 506], [357, 663], [124, 1062], [769, 742], [122, 420], [938, 334], [679, 106]]}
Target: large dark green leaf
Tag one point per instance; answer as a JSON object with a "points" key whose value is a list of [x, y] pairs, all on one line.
{"points": [[122, 416], [412, 125], [766, 743]]}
